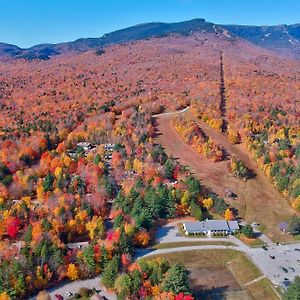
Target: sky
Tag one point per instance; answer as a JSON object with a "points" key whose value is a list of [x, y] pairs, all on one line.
{"points": [[29, 22]]}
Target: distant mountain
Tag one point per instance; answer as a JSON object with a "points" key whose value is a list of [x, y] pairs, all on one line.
{"points": [[282, 39], [9, 50]]}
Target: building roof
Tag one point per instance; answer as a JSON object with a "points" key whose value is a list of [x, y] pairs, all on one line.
{"points": [[216, 225], [283, 225], [213, 225], [233, 225], [195, 226]]}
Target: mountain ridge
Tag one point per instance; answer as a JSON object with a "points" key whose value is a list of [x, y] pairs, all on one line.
{"points": [[282, 39]]}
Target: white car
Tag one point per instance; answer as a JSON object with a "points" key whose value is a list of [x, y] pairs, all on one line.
{"points": [[69, 294]]}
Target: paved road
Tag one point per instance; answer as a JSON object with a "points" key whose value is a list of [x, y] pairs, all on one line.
{"points": [[74, 287], [173, 113]]}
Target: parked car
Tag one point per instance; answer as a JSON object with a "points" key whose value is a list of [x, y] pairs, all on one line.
{"points": [[265, 248], [286, 283], [297, 249], [285, 270], [255, 224], [292, 269], [69, 294], [272, 256]]}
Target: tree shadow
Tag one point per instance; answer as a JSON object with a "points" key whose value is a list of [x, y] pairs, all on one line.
{"points": [[217, 293]]}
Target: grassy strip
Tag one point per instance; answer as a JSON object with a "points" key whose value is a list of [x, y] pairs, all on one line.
{"points": [[245, 271], [262, 289], [185, 244]]}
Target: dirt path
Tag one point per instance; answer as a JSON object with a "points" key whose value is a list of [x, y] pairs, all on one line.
{"points": [[257, 199]]}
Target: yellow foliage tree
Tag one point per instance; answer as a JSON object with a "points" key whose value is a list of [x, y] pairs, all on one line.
{"points": [[228, 214], [4, 296], [234, 136], [185, 199], [95, 227], [138, 166], [72, 272], [208, 203]]}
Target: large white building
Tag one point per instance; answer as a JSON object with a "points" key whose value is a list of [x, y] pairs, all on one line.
{"points": [[210, 227]]}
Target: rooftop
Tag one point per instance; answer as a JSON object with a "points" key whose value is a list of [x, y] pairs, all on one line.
{"points": [[213, 225]]}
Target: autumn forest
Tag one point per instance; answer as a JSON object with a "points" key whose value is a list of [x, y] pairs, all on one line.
{"points": [[81, 162]]}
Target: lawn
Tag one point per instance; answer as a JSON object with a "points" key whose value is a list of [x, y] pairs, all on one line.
{"points": [[233, 261], [195, 243], [255, 242]]}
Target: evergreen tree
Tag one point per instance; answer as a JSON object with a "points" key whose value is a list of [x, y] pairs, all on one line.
{"points": [[177, 280], [136, 279], [125, 243], [162, 198], [97, 159], [110, 272], [104, 257], [108, 187], [89, 258], [170, 205], [123, 286], [247, 231], [118, 221], [119, 201], [144, 219], [150, 199], [293, 292], [48, 183], [28, 234], [194, 187], [196, 210], [294, 225], [169, 167]]}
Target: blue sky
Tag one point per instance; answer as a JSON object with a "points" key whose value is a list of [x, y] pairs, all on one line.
{"points": [[29, 22]]}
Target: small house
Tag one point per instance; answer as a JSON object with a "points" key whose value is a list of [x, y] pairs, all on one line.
{"points": [[283, 226], [85, 145], [109, 147]]}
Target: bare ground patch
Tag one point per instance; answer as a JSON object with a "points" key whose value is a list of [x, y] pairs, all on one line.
{"points": [[215, 283]]}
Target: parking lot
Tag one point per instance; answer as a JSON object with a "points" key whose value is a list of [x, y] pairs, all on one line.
{"points": [[284, 265]]}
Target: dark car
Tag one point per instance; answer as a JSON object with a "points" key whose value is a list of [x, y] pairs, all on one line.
{"points": [[264, 247], [286, 283], [272, 256], [285, 270], [297, 249]]}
